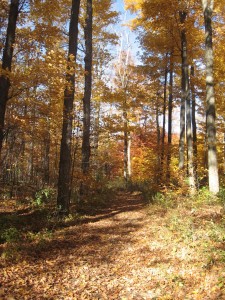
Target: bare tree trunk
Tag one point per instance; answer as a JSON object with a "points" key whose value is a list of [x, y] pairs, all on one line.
{"points": [[96, 128], [126, 142], [129, 155], [7, 63], [32, 144], [64, 180], [210, 99], [87, 90], [158, 142], [164, 115], [47, 142], [182, 107], [170, 109], [186, 99], [75, 149], [192, 183], [194, 126]]}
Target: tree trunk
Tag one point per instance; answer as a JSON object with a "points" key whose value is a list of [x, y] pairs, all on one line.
{"points": [[126, 142], [164, 115], [7, 64], [170, 109], [158, 142], [64, 180], [97, 111], [186, 100], [129, 155], [210, 99], [182, 107], [194, 126], [191, 175], [87, 90], [46, 163]]}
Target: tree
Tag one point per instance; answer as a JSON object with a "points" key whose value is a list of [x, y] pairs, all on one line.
{"points": [[170, 109], [164, 111], [210, 99], [185, 100], [7, 63], [193, 119], [64, 180], [86, 148], [123, 77]]}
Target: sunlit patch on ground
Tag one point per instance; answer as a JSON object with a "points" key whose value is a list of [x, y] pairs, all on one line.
{"points": [[126, 253]]}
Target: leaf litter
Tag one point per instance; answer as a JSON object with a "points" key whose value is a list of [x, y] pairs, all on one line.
{"points": [[129, 252]]}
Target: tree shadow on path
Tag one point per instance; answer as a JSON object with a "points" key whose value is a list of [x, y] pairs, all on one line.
{"points": [[93, 242]]}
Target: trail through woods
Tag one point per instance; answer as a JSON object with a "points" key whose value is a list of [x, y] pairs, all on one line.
{"points": [[126, 251]]}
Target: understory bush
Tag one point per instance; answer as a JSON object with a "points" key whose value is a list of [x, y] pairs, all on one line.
{"points": [[43, 196]]}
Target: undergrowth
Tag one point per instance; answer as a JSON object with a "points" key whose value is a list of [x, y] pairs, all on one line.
{"points": [[34, 220], [193, 219], [197, 221]]}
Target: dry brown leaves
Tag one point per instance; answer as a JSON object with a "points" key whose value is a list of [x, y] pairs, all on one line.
{"points": [[126, 254]]}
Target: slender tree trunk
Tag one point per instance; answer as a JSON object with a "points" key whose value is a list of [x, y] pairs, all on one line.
{"points": [[87, 90], [96, 137], [64, 180], [164, 114], [182, 107], [75, 150], [129, 156], [46, 164], [191, 175], [170, 109], [186, 99], [158, 142], [96, 127], [126, 142], [210, 99], [7, 63], [32, 144], [194, 126]]}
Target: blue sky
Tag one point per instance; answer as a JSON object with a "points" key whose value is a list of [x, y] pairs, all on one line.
{"points": [[120, 5], [125, 31]]}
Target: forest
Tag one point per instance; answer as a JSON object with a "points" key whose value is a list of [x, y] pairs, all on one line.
{"points": [[112, 134]]}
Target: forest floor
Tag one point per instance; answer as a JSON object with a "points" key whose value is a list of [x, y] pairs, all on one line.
{"points": [[128, 250]]}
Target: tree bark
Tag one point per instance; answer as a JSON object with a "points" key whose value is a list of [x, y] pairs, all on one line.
{"points": [[194, 126], [186, 100], [46, 163], [164, 114], [87, 90], [126, 151], [182, 106], [170, 109], [158, 141], [64, 179], [210, 99], [7, 63]]}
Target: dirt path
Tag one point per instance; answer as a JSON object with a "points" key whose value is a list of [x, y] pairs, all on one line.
{"points": [[125, 252]]}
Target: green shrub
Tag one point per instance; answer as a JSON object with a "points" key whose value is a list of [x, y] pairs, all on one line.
{"points": [[11, 235], [204, 196], [221, 196], [165, 199], [118, 183], [43, 196]]}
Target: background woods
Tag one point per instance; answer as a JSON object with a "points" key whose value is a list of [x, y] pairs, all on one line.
{"points": [[112, 149], [81, 113]]}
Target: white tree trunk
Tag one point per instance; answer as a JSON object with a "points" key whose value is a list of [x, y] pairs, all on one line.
{"points": [[210, 99]]}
